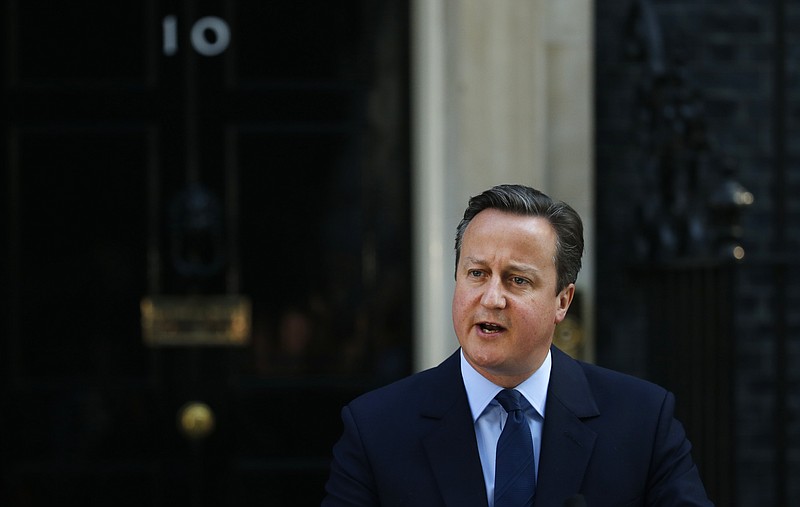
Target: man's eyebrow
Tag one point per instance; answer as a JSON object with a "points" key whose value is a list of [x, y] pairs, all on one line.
{"points": [[524, 268], [515, 267], [474, 260]]}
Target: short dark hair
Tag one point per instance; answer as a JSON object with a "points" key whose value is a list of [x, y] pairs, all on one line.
{"points": [[522, 200]]}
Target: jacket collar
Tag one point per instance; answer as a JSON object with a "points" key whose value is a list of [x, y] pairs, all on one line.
{"points": [[451, 446], [450, 441], [567, 443]]}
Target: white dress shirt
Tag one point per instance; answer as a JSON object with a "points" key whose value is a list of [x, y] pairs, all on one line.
{"points": [[489, 417]]}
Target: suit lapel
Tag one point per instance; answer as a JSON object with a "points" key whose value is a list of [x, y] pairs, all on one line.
{"points": [[450, 442], [567, 443]]}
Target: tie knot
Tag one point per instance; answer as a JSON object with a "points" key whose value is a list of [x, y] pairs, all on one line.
{"points": [[509, 399]]}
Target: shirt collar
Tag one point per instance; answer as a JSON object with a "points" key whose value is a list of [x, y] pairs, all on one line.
{"points": [[481, 391]]}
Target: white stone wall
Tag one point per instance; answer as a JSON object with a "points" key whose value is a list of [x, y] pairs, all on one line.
{"points": [[502, 93]]}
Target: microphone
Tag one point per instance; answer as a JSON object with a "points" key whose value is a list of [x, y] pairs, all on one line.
{"points": [[575, 501]]}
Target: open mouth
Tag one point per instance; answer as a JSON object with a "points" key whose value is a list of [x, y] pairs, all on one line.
{"points": [[490, 328]]}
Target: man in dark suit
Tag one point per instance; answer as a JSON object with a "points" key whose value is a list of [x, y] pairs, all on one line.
{"points": [[578, 434]]}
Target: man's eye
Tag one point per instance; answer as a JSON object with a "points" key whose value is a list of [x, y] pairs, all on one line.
{"points": [[475, 273], [518, 280]]}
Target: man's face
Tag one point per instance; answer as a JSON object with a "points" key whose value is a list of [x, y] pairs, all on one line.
{"points": [[505, 304]]}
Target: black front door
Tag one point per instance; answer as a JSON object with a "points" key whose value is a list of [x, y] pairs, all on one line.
{"points": [[202, 153]]}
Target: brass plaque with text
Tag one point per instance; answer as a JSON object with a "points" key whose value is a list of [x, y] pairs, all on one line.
{"points": [[196, 320]]}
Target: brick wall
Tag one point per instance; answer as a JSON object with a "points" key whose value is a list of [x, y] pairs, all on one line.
{"points": [[728, 49]]}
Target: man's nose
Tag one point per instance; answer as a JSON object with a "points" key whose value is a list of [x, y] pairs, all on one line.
{"points": [[493, 295]]}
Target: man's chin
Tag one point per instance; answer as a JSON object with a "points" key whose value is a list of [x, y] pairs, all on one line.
{"points": [[483, 360]]}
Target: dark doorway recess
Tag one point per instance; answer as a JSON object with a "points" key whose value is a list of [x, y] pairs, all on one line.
{"points": [[190, 149]]}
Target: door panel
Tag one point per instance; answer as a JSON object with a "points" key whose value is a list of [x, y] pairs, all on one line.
{"points": [[82, 235], [132, 163], [95, 43]]}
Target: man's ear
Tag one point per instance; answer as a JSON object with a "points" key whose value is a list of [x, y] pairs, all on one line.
{"points": [[564, 300]]}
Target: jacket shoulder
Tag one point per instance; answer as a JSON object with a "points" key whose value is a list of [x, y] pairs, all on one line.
{"points": [[604, 378], [412, 392]]}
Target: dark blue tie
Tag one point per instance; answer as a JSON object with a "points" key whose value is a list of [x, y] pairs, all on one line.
{"points": [[515, 475]]}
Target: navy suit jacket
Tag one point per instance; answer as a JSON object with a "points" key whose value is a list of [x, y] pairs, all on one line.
{"points": [[607, 436]]}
